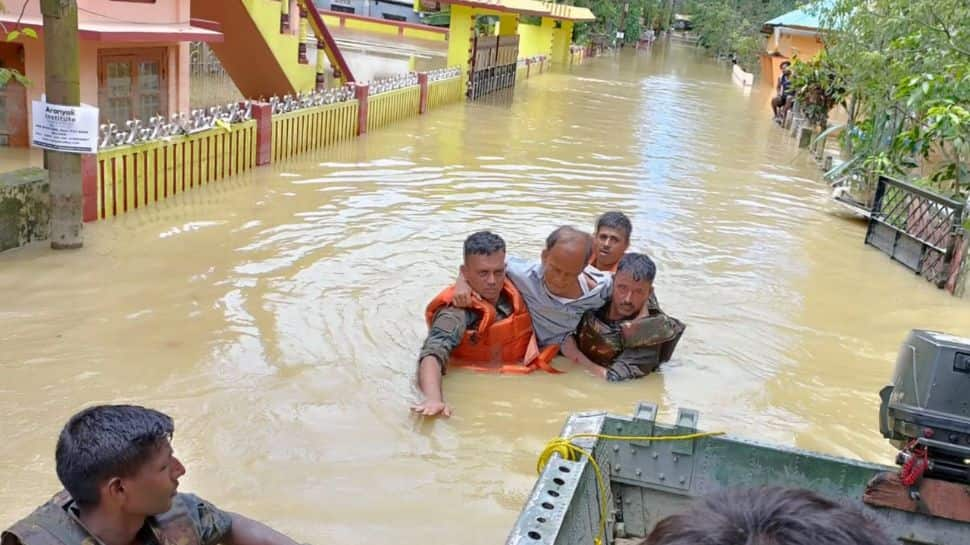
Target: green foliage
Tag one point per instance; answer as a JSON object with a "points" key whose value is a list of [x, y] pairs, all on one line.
{"points": [[7, 74], [905, 65], [728, 27], [818, 87], [632, 17]]}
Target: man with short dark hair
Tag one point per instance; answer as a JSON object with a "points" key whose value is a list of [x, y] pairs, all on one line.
{"points": [[611, 239], [619, 341], [121, 479], [554, 288], [767, 515], [492, 332]]}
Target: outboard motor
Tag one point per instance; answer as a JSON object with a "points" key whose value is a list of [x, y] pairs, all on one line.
{"points": [[925, 413]]}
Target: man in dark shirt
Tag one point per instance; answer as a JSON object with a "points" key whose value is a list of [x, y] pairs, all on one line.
{"points": [[781, 102], [121, 479], [615, 342]]}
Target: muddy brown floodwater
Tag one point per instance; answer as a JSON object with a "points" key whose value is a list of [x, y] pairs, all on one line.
{"points": [[277, 315]]}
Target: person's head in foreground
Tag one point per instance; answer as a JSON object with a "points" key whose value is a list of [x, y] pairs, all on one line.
{"points": [[767, 516]]}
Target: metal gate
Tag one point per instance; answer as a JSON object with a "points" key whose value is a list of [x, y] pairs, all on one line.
{"points": [[915, 227], [494, 60]]}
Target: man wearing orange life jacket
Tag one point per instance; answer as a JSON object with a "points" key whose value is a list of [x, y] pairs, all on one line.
{"points": [[493, 333]]}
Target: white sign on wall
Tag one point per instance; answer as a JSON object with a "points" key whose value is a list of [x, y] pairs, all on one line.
{"points": [[71, 129]]}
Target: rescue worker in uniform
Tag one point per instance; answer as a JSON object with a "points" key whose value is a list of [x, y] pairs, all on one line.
{"points": [[611, 239], [121, 480], [616, 342], [494, 332], [554, 288]]}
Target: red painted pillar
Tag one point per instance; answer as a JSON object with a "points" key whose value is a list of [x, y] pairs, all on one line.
{"points": [[89, 187], [362, 91], [263, 114], [423, 82]]}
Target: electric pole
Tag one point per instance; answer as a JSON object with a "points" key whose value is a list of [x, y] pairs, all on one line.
{"points": [[62, 76]]}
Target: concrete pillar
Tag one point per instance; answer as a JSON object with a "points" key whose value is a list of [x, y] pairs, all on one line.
{"points": [[302, 36], [263, 114], [459, 39], [89, 187], [805, 137], [362, 92], [508, 25], [321, 65], [284, 16], [547, 29], [423, 82], [562, 39]]}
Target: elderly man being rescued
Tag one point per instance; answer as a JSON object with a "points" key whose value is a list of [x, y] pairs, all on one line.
{"points": [[615, 342]]}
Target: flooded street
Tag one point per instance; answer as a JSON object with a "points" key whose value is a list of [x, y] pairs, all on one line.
{"points": [[277, 316]]}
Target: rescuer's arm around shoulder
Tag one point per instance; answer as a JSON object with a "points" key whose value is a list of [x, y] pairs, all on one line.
{"points": [[445, 334]]}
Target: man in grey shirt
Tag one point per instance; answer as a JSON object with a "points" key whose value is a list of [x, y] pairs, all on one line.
{"points": [[554, 288]]}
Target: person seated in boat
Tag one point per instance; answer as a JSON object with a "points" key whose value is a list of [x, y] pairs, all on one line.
{"points": [[554, 288], [492, 332], [620, 341], [121, 479], [779, 516]]}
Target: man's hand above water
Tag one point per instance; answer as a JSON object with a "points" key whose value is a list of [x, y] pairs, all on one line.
{"points": [[431, 408], [463, 295]]}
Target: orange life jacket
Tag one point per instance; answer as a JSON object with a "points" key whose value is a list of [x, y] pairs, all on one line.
{"points": [[508, 345]]}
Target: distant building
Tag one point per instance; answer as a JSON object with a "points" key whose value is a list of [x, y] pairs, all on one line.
{"points": [[134, 61], [392, 10], [795, 33]]}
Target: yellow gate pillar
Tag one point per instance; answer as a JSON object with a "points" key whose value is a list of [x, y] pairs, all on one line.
{"points": [[459, 38], [546, 31], [508, 25], [560, 44]]}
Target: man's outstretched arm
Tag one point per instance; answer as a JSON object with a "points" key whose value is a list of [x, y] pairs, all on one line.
{"points": [[429, 380], [446, 332]]}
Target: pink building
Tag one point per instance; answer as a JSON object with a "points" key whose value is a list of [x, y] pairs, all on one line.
{"points": [[134, 60]]}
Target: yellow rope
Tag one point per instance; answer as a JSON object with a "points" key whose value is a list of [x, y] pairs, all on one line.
{"points": [[564, 447]]}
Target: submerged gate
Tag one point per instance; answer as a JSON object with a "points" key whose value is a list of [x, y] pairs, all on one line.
{"points": [[915, 227], [493, 64]]}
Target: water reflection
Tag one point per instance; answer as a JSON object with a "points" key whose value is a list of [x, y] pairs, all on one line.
{"points": [[277, 315]]}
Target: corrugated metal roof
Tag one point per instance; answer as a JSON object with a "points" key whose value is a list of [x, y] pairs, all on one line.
{"points": [[804, 17], [570, 13], [529, 7]]}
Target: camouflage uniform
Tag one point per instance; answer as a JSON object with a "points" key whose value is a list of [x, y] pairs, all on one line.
{"points": [[450, 324], [190, 521], [628, 348]]}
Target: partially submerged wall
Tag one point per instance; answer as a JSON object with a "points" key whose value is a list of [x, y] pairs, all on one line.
{"points": [[24, 207]]}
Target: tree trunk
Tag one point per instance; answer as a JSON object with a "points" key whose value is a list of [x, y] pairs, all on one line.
{"points": [[62, 86]]}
